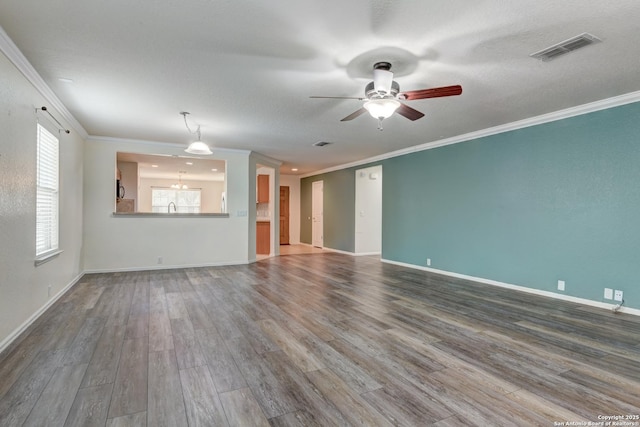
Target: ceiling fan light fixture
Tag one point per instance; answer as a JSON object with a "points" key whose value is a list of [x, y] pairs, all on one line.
{"points": [[381, 108]]}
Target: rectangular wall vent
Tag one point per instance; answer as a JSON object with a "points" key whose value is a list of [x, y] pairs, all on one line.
{"points": [[321, 143], [559, 49]]}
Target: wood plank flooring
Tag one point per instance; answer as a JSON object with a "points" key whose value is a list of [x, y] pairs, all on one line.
{"points": [[316, 340]]}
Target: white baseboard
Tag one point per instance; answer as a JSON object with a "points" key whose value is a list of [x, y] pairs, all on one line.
{"points": [[20, 329], [338, 251], [165, 267], [584, 301], [366, 253], [326, 248], [307, 244]]}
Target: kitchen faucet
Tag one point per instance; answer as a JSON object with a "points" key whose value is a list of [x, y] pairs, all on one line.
{"points": [[169, 207]]}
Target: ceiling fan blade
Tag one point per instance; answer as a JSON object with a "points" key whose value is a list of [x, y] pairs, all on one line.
{"points": [[409, 113], [435, 92], [337, 97], [354, 114]]}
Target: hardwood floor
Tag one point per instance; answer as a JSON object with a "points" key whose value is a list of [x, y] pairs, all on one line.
{"points": [[316, 340]]}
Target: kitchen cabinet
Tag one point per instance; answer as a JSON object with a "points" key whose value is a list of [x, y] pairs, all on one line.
{"points": [[263, 189], [263, 237]]}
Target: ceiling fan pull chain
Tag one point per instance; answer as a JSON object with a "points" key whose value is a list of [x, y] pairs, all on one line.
{"points": [[380, 123]]}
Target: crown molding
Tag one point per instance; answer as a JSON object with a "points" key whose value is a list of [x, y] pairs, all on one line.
{"points": [[164, 144], [266, 160], [11, 51], [579, 110]]}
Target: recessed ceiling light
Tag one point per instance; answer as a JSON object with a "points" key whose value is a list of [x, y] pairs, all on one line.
{"points": [[154, 166], [63, 80], [190, 163], [214, 170], [294, 169]]}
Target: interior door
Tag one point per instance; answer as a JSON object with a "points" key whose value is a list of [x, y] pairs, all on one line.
{"points": [[368, 221], [317, 200], [284, 215]]}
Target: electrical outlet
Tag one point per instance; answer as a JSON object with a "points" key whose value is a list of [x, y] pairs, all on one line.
{"points": [[159, 260], [428, 262], [561, 285], [608, 293], [617, 295]]}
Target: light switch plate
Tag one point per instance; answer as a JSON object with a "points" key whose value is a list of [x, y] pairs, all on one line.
{"points": [[561, 285], [608, 293]]}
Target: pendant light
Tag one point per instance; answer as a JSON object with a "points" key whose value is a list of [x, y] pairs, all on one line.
{"points": [[196, 147], [180, 185]]}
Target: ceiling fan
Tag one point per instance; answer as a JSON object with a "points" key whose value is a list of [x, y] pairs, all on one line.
{"points": [[382, 96]]}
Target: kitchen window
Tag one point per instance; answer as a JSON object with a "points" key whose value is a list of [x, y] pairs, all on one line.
{"points": [[169, 200]]}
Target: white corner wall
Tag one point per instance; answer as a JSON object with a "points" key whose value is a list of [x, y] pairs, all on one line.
{"points": [[257, 161], [24, 288], [114, 243]]}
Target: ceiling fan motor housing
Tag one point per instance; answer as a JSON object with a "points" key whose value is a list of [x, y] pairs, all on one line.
{"points": [[370, 91], [382, 66]]}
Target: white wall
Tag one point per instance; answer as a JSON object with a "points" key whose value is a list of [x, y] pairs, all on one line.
{"points": [[115, 243], [210, 194], [293, 182], [24, 287]]}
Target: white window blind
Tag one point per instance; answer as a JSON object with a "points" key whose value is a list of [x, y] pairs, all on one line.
{"points": [[46, 192], [171, 200]]}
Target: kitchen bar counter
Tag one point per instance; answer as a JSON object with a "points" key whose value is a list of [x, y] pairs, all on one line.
{"points": [[172, 214]]}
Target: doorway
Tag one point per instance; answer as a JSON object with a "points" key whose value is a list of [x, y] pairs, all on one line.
{"points": [[317, 226], [284, 215], [368, 221]]}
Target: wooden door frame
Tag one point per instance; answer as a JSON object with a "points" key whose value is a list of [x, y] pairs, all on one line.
{"points": [[285, 240], [314, 190]]}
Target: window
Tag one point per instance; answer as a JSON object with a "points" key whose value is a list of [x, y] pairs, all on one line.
{"points": [[172, 200], [46, 192]]}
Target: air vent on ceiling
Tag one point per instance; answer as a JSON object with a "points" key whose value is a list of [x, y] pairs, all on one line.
{"points": [[552, 52], [321, 143]]}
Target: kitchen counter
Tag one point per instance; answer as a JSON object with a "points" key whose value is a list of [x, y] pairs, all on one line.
{"points": [[263, 219], [172, 214]]}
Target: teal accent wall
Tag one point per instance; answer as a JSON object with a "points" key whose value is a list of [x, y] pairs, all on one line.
{"points": [[558, 201], [339, 209]]}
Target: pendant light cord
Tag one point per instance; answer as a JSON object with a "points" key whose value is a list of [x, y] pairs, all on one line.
{"points": [[197, 132]]}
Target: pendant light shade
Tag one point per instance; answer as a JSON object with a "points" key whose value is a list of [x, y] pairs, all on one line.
{"points": [[196, 147]]}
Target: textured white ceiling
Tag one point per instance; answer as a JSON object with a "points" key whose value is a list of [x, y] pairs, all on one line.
{"points": [[245, 69]]}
